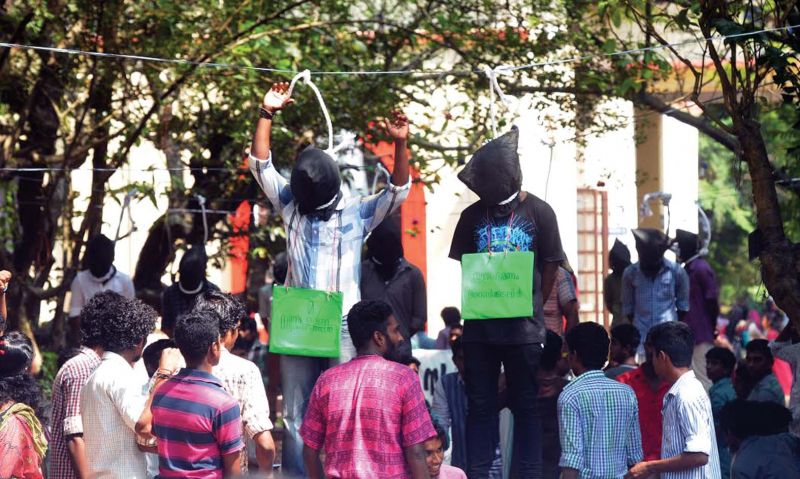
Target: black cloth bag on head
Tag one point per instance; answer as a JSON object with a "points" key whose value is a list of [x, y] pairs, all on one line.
{"points": [[315, 181], [494, 173]]}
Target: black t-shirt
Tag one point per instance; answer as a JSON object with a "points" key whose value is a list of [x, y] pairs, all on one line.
{"points": [[533, 228]]}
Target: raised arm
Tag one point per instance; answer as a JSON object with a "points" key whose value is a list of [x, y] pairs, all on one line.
{"points": [[268, 178], [5, 278], [397, 128]]}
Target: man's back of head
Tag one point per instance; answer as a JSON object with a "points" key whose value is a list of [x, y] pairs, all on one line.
{"points": [[588, 343], [133, 322], [672, 341], [231, 311]]}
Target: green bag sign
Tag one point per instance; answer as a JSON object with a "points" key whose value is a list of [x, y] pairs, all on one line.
{"points": [[305, 322], [497, 285]]}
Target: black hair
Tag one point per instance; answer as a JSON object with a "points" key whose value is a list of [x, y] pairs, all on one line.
{"points": [[457, 326], [457, 346], [552, 351], [441, 434], [408, 361], [16, 384], [195, 332], [451, 316], [231, 311], [724, 356], [743, 382], [366, 317], [152, 354], [133, 321], [754, 418], [675, 339], [589, 341], [249, 324], [65, 355], [104, 307], [759, 346], [627, 335], [280, 267]]}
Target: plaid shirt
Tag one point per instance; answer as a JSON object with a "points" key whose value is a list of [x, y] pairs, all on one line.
{"points": [[560, 296], [654, 301], [599, 426], [326, 255], [66, 418], [242, 380]]}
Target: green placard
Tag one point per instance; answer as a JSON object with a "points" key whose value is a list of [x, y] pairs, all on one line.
{"points": [[497, 285], [305, 322]]}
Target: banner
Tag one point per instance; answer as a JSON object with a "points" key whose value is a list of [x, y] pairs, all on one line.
{"points": [[434, 363], [305, 322]]}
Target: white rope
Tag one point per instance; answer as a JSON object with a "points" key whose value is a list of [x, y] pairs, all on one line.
{"points": [[126, 205], [306, 76], [202, 201], [494, 87]]}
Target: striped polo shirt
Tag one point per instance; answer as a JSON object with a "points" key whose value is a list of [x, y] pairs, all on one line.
{"points": [[196, 423]]}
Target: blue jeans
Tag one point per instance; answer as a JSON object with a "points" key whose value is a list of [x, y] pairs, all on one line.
{"points": [[298, 376], [482, 370]]}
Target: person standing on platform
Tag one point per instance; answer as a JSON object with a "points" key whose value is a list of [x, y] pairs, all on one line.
{"points": [[326, 233], [386, 275], [505, 219], [654, 289]]}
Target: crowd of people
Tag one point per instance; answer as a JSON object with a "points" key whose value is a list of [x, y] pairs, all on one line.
{"points": [[668, 392]]}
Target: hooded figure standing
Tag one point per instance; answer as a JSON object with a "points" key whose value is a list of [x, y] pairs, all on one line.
{"points": [[325, 232], [178, 298], [387, 276], [619, 258], [100, 275], [654, 289], [703, 301], [505, 219]]}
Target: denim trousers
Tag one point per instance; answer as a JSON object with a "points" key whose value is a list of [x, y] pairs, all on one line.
{"points": [[482, 364], [298, 376]]}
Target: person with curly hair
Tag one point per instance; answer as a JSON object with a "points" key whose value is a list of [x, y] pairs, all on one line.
{"points": [[68, 454], [112, 400], [23, 443]]}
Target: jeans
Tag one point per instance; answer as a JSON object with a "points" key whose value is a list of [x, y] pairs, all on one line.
{"points": [[482, 370], [298, 376]]}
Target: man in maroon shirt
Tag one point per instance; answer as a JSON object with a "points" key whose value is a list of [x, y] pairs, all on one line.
{"points": [[368, 414], [650, 391]]}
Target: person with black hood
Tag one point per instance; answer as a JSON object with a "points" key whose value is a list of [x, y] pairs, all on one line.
{"points": [[703, 301], [100, 275], [654, 289], [325, 233], [387, 276], [619, 258], [178, 299], [505, 219]]}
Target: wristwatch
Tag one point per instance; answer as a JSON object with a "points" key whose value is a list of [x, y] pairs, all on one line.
{"points": [[263, 113]]}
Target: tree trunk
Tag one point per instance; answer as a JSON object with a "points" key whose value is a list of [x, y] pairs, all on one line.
{"points": [[780, 259]]}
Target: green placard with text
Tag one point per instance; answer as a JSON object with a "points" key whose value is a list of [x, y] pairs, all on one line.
{"points": [[305, 322], [497, 285]]}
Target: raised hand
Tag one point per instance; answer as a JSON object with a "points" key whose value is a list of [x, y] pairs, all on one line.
{"points": [[5, 278], [397, 125], [277, 98]]}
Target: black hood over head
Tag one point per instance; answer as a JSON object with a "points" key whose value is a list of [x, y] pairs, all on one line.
{"points": [[494, 172], [315, 182], [192, 267], [651, 245], [619, 257], [385, 247], [687, 244], [99, 255]]}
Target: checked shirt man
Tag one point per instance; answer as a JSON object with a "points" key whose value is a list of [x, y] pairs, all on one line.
{"points": [[598, 417]]}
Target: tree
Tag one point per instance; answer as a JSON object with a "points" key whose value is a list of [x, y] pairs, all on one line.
{"points": [[61, 111]]}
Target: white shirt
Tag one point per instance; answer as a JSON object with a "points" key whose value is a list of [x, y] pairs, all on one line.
{"points": [[85, 285], [111, 403], [689, 427]]}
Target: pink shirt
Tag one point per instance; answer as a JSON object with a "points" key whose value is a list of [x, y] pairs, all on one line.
{"points": [[363, 413], [450, 472]]}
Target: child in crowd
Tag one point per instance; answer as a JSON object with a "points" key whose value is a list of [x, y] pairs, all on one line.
{"points": [[434, 457]]}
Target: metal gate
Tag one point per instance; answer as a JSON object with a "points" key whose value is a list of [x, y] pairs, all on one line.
{"points": [[592, 254]]}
